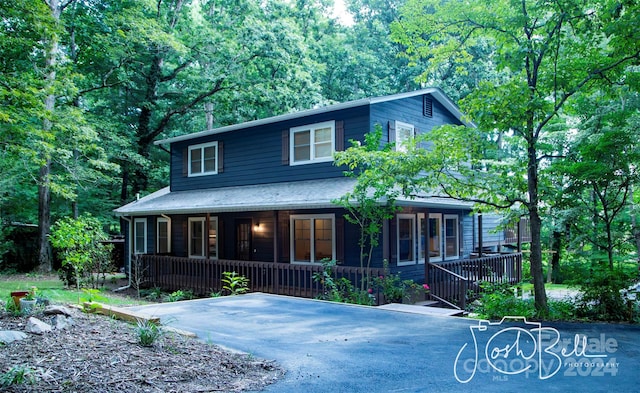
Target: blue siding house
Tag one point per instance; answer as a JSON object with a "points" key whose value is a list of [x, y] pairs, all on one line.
{"points": [[262, 190]]}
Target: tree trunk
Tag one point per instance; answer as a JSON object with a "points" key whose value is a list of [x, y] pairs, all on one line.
{"points": [[635, 226], [44, 218], [44, 180], [554, 268], [535, 260]]}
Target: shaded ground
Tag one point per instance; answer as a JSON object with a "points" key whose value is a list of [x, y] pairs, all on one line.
{"points": [[99, 354]]}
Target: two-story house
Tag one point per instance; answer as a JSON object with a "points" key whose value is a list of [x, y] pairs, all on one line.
{"points": [[262, 191]]}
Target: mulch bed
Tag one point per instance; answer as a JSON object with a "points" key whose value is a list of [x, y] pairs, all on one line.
{"points": [[100, 354]]}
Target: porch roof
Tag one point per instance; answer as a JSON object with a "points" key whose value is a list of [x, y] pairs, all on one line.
{"points": [[309, 194]]}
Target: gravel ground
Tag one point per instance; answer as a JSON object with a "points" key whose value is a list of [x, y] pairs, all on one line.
{"points": [[100, 354]]}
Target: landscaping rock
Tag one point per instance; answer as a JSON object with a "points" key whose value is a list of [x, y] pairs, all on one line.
{"points": [[9, 336], [57, 310], [36, 326], [60, 322]]}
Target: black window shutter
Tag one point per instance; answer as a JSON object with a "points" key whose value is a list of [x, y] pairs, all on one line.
{"points": [[340, 240], [220, 157], [285, 147], [340, 135], [392, 131], [283, 226], [185, 162]]}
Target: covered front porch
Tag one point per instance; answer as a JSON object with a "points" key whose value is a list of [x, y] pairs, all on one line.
{"points": [[453, 282]]}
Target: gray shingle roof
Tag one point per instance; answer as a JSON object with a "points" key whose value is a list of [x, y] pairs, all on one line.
{"points": [[309, 194]]}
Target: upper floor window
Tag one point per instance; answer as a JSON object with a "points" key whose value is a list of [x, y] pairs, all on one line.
{"points": [[404, 133], [203, 159], [312, 143]]}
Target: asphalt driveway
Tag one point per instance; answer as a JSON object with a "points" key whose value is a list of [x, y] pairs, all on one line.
{"points": [[331, 347]]}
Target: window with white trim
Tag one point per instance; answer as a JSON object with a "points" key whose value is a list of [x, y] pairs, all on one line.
{"points": [[406, 239], [163, 235], [451, 238], [312, 143], [197, 237], [139, 235], [203, 159], [404, 133], [312, 238]]}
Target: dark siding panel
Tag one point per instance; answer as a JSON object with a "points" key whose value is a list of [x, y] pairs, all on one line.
{"points": [[255, 155], [285, 147], [410, 110], [340, 252]]}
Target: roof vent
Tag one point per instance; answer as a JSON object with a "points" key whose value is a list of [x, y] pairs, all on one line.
{"points": [[427, 106]]}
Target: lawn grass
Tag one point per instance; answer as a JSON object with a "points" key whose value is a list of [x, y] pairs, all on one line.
{"points": [[53, 289], [548, 286]]}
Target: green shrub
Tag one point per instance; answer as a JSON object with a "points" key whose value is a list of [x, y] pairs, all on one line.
{"points": [[79, 243], [180, 295], [340, 290], [234, 283], [153, 294], [17, 375], [601, 299], [395, 289]]}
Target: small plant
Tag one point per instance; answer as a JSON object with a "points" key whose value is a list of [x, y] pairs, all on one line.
{"points": [[17, 375], [12, 309], [235, 283], [31, 295], [154, 293], [215, 294], [92, 295], [148, 332], [176, 296]]}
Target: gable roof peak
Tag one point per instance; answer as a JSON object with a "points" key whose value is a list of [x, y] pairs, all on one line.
{"points": [[435, 92]]}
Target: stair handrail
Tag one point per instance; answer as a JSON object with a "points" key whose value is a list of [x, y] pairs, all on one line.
{"points": [[463, 288]]}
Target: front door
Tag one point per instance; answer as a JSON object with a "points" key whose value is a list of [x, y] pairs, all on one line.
{"points": [[243, 239]]}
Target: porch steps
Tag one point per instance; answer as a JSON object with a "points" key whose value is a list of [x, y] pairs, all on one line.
{"points": [[424, 309]]}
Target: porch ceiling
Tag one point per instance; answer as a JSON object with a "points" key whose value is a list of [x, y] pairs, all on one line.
{"points": [[310, 194]]}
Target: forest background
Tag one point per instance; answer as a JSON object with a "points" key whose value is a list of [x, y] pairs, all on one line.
{"points": [[87, 86]]}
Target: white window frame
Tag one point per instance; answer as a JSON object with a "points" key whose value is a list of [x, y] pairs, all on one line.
{"points": [[312, 218], [422, 239], [411, 217], [437, 216], [168, 222], [401, 143], [205, 237], [312, 147], [444, 236], [202, 147], [135, 235], [217, 250]]}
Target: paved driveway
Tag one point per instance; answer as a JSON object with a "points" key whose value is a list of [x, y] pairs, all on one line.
{"points": [[331, 347]]}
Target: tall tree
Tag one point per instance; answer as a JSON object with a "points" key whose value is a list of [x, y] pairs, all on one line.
{"points": [[548, 52], [601, 168], [46, 133]]}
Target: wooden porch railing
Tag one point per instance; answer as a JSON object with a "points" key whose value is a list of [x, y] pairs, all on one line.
{"points": [[455, 282], [203, 276]]}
